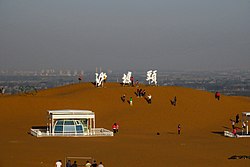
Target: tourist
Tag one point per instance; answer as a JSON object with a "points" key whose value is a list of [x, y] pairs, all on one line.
{"points": [[132, 80], [174, 101], [94, 164], [217, 95], [131, 101], [59, 163], [100, 165], [237, 118], [79, 79], [74, 164], [138, 93], [143, 92], [179, 129], [114, 127], [233, 123], [149, 98], [243, 125], [68, 164], [137, 83], [117, 127], [123, 98], [88, 164], [234, 131]]}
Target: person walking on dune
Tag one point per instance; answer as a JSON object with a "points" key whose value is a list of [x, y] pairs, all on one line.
{"points": [[123, 98], [149, 99], [174, 101], [179, 129], [237, 118], [114, 127], [131, 101], [217, 95]]}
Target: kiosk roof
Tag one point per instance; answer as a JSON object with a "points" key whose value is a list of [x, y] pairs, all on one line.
{"points": [[70, 112]]}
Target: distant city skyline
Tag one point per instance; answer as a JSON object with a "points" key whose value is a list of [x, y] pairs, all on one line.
{"points": [[136, 35]]}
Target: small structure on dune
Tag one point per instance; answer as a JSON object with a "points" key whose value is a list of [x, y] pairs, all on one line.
{"points": [[244, 127], [70, 123]]}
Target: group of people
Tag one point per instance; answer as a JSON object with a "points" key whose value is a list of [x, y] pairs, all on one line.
{"points": [[124, 100], [88, 164], [140, 92], [236, 121]]}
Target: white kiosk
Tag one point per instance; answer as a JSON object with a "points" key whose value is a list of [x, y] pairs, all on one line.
{"points": [[77, 123], [71, 121]]}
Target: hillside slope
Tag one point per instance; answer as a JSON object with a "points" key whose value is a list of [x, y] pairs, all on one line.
{"points": [[202, 119]]}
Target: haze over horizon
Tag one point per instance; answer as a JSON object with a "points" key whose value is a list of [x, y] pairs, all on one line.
{"points": [[125, 35]]}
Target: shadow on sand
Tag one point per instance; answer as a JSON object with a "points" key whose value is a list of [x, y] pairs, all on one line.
{"points": [[218, 133]]}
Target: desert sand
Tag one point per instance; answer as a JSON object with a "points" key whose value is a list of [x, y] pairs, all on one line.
{"points": [[202, 119]]}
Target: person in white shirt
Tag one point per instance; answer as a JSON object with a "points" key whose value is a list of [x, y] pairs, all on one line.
{"points": [[100, 165], [149, 99], [88, 164], [59, 163]]}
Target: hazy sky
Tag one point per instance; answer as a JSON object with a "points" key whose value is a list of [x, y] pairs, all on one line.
{"points": [[125, 34]]}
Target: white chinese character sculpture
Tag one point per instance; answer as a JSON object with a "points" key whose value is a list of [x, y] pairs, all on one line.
{"points": [[99, 79], [126, 78], [151, 77]]}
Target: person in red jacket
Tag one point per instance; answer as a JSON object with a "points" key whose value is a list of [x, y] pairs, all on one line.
{"points": [[217, 95], [114, 127]]}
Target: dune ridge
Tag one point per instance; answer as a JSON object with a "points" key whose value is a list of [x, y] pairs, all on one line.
{"points": [[202, 120]]}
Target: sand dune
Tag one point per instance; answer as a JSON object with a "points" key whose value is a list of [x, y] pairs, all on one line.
{"points": [[202, 119]]}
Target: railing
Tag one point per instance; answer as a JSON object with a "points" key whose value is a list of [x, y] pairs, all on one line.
{"points": [[238, 134], [97, 132], [229, 134]]}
